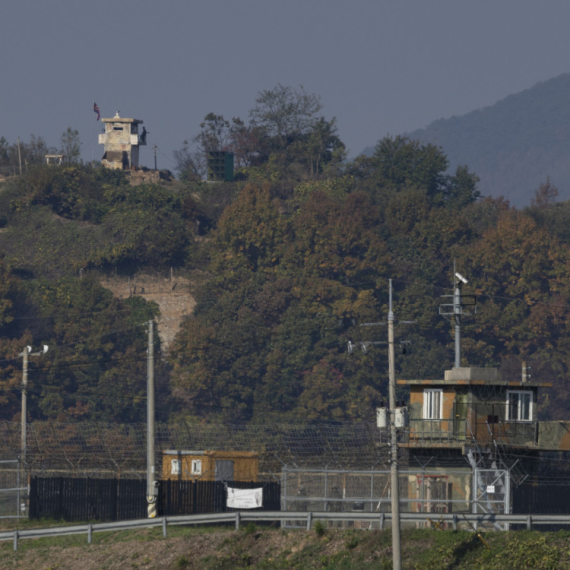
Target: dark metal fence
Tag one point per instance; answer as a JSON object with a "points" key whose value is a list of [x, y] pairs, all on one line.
{"points": [[188, 497], [68, 499], [540, 498], [81, 499]]}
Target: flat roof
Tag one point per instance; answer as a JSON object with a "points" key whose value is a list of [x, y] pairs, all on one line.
{"points": [[121, 120], [474, 383], [213, 453]]}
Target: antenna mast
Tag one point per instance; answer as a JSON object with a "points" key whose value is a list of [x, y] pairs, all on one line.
{"points": [[455, 310]]}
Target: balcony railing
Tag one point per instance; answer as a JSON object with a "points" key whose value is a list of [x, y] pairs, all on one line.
{"points": [[484, 423], [437, 431]]}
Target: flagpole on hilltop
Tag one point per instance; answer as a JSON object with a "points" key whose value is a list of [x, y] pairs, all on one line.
{"points": [[95, 110]]}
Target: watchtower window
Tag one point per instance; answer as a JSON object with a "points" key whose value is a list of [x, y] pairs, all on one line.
{"points": [[519, 406], [117, 128], [433, 404]]}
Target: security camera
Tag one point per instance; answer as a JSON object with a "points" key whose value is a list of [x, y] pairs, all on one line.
{"points": [[461, 278]]}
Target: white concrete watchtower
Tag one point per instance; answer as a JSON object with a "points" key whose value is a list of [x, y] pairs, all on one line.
{"points": [[122, 140]]}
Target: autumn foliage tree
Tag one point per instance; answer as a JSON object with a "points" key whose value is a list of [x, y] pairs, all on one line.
{"points": [[286, 262]]}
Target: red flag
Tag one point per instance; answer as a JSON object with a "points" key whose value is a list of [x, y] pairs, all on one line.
{"points": [[96, 110]]}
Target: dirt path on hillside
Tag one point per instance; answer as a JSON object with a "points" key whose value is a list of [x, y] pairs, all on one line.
{"points": [[171, 294]]}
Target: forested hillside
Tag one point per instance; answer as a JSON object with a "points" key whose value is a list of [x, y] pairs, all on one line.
{"points": [[512, 145], [291, 257]]}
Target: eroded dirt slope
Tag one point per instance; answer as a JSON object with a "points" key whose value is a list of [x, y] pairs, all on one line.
{"points": [[171, 294]]}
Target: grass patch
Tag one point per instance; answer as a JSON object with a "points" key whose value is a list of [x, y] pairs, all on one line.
{"points": [[222, 548], [103, 537]]}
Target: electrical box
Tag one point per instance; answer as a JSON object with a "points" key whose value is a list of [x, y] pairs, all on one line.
{"points": [[401, 419], [382, 417]]}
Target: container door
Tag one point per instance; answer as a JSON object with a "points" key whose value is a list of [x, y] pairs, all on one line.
{"points": [[224, 470]]}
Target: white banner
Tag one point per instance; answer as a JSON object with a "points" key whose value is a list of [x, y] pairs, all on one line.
{"points": [[245, 498]]}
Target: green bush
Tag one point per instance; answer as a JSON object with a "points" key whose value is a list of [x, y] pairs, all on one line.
{"points": [[320, 528]]}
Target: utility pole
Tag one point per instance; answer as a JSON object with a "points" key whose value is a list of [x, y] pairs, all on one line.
{"points": [[394, 487], [19, 155], [24, 443], [151, 490], [394, 484], [154, 148], [24, 424]]}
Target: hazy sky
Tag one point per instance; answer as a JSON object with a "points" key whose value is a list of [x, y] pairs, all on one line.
{"points": [[379, 66]]}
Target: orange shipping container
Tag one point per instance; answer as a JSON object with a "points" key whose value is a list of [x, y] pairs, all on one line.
{"points": [[181, 465]]}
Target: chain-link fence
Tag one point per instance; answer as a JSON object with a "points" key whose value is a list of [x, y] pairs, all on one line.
{"points": [[432, 492], [491, 492], [13, 490]]}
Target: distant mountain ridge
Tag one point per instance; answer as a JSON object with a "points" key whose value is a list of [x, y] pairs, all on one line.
{"points": [[513, 145]]}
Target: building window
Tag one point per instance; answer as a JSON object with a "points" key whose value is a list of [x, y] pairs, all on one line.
{"points": [[519, 406], [175, 467], [433, 404], [196, 467]]}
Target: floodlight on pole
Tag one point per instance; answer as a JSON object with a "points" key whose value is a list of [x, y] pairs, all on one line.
{"points": [[152, 484], [461, 278], [455, 310], [23, 420]]}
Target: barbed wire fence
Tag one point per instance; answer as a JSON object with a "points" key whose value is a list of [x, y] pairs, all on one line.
{"points": [[327, 466], [119, 450]]}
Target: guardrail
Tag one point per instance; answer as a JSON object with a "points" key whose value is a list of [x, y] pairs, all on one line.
{"points": [[276, 516]]}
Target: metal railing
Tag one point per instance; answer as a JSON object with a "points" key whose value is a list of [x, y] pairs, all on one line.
{"points": [[437, 431], [487, 423], [510, 433], [454, 520]]}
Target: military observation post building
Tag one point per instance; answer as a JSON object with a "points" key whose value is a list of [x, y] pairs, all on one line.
{"points": [[122, 141]]}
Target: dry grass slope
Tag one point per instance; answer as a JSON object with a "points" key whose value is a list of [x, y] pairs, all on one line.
{"points": [[273, 549]]}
